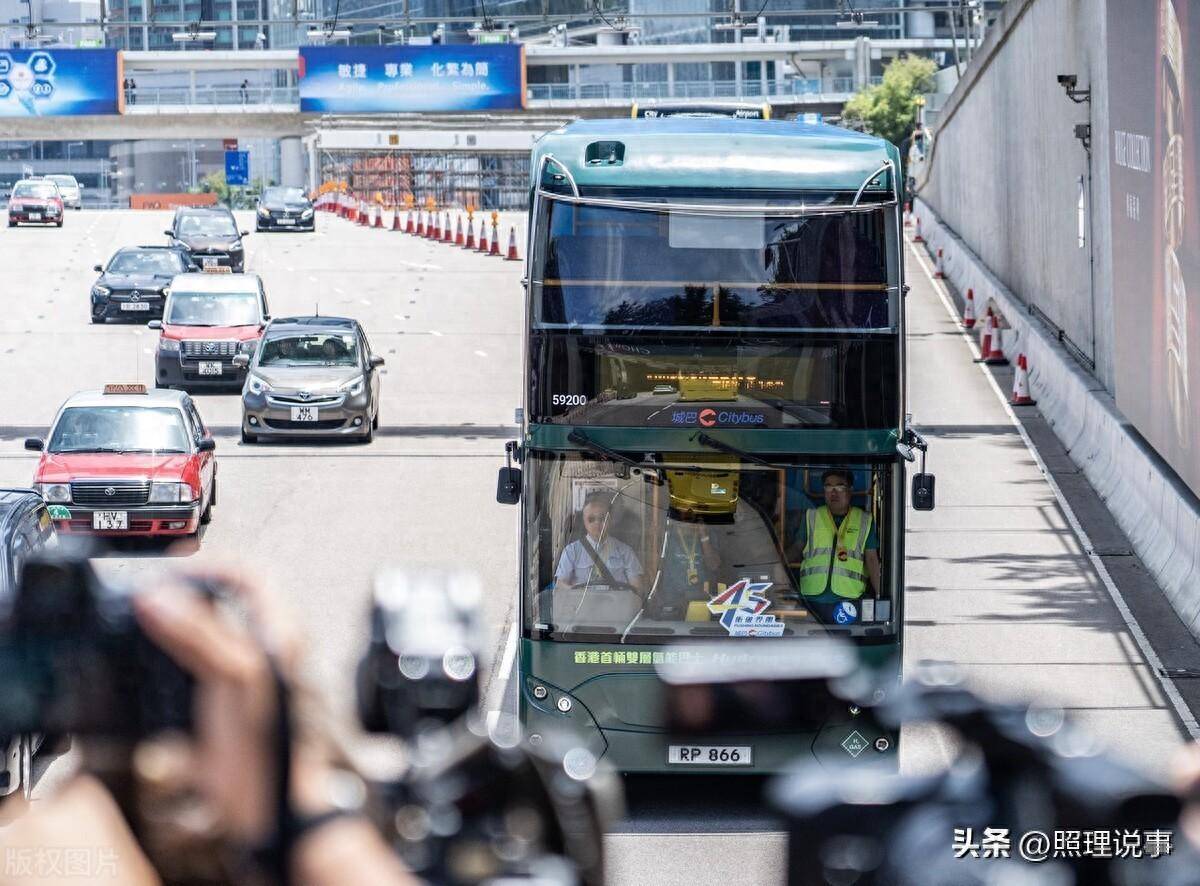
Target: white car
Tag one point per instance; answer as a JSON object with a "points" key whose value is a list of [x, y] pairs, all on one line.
{"points": [[71, 190]]}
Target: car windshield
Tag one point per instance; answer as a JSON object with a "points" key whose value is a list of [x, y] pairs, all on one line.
{"points": [[705, 546], [624, 268], [284, 195], [207, 225], [119, 429], [213, 309], [161, 264], [38, 190], [64, 181], [310, 349]]}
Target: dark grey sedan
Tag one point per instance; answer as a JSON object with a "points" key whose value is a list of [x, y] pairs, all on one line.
{"points": [[311, 377]]}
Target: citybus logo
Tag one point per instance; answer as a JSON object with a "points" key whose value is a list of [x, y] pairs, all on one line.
{"points": [[709, 418]]}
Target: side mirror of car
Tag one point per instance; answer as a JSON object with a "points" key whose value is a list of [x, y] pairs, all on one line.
{"points": [[923, 492], [508, 486], [244, 233], [34, 444], [376, 361], [206, 445], [98, 269], [241, 361], [154, 324], [169, 233]]}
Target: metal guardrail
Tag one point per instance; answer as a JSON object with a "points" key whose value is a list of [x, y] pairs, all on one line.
{"points": [[173, 96]]}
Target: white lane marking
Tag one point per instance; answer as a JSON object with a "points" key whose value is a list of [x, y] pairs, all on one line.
{"points": [[499, 683], [314, 279], [365, 301], [339, 291], [419, 266], [481, 353], [1131, 623], [435, 332], [290, 269]]}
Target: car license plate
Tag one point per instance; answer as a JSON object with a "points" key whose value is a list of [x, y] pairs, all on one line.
{"points": [[304, 413], [209, 368], [209, 262], [285, 221], [110, 519], [35, 216], [135, 306], [710, 755]]}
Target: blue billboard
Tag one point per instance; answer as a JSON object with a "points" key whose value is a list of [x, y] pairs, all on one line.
{"points": [[381, 79], [59, 82]]}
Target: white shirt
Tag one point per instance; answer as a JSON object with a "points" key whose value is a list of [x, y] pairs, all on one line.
{"points": [[575, 564]]}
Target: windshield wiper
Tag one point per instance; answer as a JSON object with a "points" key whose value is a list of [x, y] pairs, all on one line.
{"points": [[582, 439], [713, 443], [90, 449]]}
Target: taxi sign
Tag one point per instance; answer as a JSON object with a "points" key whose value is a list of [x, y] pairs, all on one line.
{"points": [[124, 389]]}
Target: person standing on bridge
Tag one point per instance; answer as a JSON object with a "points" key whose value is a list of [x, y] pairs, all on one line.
{"points": [[245, 89], [838, 549]]}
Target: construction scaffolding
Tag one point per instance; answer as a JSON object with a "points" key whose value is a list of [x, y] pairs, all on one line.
{"points": [[484, 180]]}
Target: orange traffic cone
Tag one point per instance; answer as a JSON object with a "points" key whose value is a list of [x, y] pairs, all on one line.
{"points": [[917, 238], [470, 242], [378, 216], [512, 246], [408, 224], [435, 229], [992, 351], [447, 234], [968, 317], [458, 234], [1020, 394], [939, 268], [421, 223], [483, 243], [396, 226], [985, 337], [495, 250], [363, 221], [908, 215]]}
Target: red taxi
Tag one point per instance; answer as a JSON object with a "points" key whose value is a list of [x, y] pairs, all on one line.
{"points": [[208, 319], [127, 461]]}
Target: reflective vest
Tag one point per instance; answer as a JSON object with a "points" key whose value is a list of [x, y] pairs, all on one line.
{"points": [[834, 555]]}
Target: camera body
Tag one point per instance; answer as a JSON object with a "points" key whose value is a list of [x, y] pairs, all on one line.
{"points": [[73, 659]]}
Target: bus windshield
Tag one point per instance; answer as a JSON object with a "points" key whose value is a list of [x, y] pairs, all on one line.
{"points": [[680, 546], [617, 268]]}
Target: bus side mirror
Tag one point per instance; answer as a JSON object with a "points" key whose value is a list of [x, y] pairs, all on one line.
{"points": [[508, 486], [922, 492]]}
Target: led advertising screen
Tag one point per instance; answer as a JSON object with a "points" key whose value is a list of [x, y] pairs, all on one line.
{"points": [[59, 82], [381, 79], [1154, 174]]}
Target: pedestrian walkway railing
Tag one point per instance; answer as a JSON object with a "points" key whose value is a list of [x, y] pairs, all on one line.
{"points": [[174, 96]]}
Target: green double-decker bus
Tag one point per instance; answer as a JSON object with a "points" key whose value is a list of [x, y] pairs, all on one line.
{"points": [[713, 422]]}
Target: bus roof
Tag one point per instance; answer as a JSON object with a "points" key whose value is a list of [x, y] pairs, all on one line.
{"points": [[687, 152]]}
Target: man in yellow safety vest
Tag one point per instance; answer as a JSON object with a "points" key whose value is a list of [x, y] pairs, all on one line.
{"points": [[838, 549]]}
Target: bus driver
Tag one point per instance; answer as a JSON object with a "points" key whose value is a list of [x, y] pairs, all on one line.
{"points": [[576, 565]]}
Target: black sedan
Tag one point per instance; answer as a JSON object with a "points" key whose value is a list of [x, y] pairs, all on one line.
{"points": [[133, 283], [210, 236], [284, 209]]}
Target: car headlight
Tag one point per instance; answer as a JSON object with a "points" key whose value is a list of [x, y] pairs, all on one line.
{"points": [[354, 387], [170, 492], [168, 345], [306, 213], [256, 385], [263, 211], [236, 247], [57, 492], [247, 347], [101, 290]]}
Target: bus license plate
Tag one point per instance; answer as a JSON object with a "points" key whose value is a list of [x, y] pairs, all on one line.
{"points": [[304, 413], [106, 520], [209, 368], [710, 755]]}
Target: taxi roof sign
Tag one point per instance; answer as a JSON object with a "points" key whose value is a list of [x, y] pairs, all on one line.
{"points": [[125, 389]]}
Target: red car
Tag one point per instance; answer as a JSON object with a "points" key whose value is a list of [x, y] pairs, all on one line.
{"points": [[208, 319], [35, 200], [127, 461]]}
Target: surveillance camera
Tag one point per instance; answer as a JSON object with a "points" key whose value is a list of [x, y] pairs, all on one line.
{"points": [[1067, 81]]}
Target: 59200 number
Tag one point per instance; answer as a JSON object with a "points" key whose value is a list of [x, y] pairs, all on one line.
{"points": [[568, 399]]}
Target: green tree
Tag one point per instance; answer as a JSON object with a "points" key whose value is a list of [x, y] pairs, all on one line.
{"points": [[214, 183], [889, 110]]}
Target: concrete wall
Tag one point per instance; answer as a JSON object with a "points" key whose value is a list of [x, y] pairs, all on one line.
{"points": [[1005, 168]]}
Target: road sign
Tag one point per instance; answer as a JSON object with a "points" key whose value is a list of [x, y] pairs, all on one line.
{"points": [[237, 167]]}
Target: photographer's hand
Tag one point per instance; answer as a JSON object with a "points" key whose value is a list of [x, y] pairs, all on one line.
{"points": [[235, 730]]}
